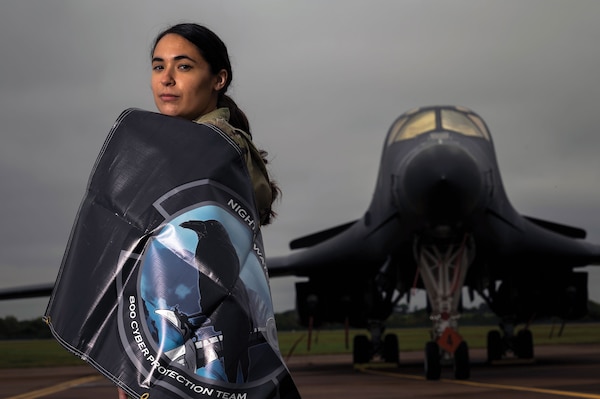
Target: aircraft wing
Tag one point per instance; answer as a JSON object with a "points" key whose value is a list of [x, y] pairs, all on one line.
{"points": [[569, 231], [29, 291], [344, 247]]}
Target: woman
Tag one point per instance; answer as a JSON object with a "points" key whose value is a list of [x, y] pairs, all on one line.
{"points": [[191, 73]]}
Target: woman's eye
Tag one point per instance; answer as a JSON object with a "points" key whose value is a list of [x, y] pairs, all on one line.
{"points": [[185, 67], [157, 68]]}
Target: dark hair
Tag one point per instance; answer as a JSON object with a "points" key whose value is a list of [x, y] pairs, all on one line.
{"points": [[214, 52]]}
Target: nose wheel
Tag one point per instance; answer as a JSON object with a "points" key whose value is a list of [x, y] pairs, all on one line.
{"points": [[462, 367], [437, 355], [433, 365]]}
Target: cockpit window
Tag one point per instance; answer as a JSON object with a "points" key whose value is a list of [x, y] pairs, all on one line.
{"points": [[481, 125], [395, 130], [463, 123], [412, 125], [454, 119]]}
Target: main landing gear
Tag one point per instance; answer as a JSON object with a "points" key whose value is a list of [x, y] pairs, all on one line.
{"points": [[387, 349], [501, 345], [443, 269]]}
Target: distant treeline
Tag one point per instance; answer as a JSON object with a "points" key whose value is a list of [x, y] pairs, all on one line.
{"points": [[11, 328], [402, 317]]}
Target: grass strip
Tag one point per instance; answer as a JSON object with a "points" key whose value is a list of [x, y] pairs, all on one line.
{"points": [[48, 353]]}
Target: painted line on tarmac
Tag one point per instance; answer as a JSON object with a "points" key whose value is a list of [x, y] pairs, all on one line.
{"points": [[57, 388], [485, 384]]}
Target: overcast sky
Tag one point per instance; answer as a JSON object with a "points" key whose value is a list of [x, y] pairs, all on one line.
{"points": [[321, 82]]}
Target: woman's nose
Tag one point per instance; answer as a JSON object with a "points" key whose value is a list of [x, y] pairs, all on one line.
{"points": [[167, 79]]}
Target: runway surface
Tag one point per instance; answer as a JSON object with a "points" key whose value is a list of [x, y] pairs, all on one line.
{"points": [[558, 371]]}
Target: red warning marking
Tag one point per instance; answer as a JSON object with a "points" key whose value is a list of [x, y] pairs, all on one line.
{"points": [[449, 340]]}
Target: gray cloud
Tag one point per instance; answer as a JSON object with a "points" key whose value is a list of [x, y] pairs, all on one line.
{"points": [[321, 83]]}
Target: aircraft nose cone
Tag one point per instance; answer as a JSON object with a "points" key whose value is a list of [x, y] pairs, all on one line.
{"points": [[442, 183]]}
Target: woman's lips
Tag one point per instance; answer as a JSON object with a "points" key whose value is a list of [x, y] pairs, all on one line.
{"points": [[168, 97]]}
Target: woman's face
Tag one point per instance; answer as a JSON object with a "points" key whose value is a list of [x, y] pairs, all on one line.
{"points": [[182, 82]]}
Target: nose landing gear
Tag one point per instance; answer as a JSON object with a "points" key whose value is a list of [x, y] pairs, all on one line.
{"points": [[443, 269]]}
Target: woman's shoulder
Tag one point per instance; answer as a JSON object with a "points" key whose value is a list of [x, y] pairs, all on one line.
{"points": [[220, 119]]}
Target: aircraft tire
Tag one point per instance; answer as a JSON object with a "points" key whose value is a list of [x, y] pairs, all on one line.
{"points": [[391, 352], [524, 344], [362, 349], [462, 366], [433, 367], [494, 346]]}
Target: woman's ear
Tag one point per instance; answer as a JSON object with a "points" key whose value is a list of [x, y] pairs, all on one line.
{"points": [[221, 79]]}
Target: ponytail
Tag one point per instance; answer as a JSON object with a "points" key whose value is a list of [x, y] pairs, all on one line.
{"points": [[237, 117]]}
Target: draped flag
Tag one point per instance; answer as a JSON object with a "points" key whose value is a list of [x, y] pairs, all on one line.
{"points": [[163, 287]]}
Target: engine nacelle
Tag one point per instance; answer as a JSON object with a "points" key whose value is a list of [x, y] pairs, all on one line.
{"points": [[563, 295], [352, 303]]}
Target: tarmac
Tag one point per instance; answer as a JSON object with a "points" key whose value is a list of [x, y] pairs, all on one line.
{"points": [[568, 371]]}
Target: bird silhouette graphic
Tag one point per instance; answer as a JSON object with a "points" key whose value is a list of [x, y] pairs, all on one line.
{"points": [[223, 297]]}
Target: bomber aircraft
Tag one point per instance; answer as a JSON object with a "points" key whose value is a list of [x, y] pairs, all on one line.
{"points": [[440, 219]]}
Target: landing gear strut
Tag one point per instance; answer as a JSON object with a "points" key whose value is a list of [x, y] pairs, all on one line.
{"points": [[443, 269]]}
